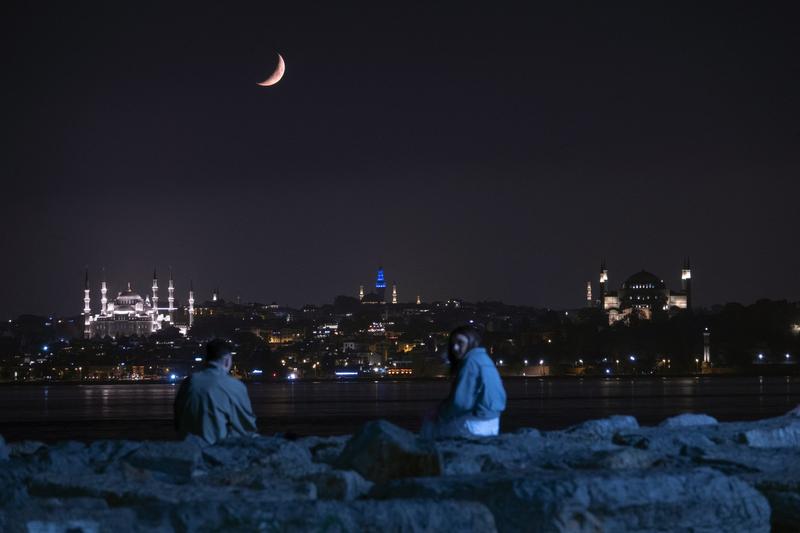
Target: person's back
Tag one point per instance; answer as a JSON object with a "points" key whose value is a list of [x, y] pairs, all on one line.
{"points": [[211, 404]]}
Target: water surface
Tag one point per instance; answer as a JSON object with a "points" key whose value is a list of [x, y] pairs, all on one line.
{"points": [[144, 410]]}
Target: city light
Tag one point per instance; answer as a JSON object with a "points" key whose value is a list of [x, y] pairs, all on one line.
{"points": [[608, 370], [256, 371], [633, 358], [760, 356], [541, 361], [198, 359]]}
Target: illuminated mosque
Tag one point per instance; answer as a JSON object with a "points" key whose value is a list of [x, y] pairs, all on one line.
{"points": [[129, 314], [641, 294]]}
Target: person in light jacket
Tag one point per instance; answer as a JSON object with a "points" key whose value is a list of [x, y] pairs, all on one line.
{"points": [[477, 397], [211, 403]]}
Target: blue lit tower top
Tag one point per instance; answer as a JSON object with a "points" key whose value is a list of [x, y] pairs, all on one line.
{"points": [[380, 285]]}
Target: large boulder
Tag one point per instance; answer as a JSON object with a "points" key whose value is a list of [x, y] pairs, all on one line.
{"points": [[381, 451], [629, 501], [604, 428], [787, 435], [173, 462], [688, 420]]}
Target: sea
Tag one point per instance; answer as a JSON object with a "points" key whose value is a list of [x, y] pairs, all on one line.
{"points": [[84, 412]]}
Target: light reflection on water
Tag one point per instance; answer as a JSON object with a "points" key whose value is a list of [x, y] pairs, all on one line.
{"points": [[338, 407]]}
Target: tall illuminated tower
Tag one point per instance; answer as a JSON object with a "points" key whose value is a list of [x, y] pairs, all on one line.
{"points": [[419, 299], [87, 310], [170, 296], [103, 299], [191, 304], [589, 301], [361, 293], [155, 294], [603, 283], [706, 347], [394, 293], [380, 285], [686, 282]]}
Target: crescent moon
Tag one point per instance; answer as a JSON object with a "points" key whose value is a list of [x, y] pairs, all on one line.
{"points": [[276, 76]]}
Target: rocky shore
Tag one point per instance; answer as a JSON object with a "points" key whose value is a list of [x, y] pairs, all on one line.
{"points": [[690, 473]]}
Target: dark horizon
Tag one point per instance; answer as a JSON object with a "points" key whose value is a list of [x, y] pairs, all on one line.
{"points": [[493, 154]]}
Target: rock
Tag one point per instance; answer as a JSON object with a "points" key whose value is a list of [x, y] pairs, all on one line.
{"points": [[688, 420], [4, 450], [336, 517], [324, 449], [25, 447], [381, 451], [508, 451], [773, 437], [176, 462], [135, 488], [625, 458], [636, 501], [605, 427], [340, 485], [107, 451], [637, 441], [794, 412], [77, 515]]}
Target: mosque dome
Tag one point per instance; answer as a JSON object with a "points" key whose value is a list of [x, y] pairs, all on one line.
{"points": [[643, 280]]}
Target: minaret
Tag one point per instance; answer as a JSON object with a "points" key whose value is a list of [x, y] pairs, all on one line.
{"points": [[589, 301], [361, 293], [419, 299], [155, 295], [603, 283], [171, 296], [686, 282], [380, 285], [215, 295], [103, 299], [394, 293], [191, 304], [87, 310], [706, 347]]}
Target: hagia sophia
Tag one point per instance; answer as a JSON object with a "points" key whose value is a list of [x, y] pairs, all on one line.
{"points": [[641, 294]]}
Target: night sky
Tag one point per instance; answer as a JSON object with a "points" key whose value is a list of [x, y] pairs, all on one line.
{"points": [[490, 153]]}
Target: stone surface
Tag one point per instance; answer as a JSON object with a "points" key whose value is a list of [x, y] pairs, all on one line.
{"points": [[698, 500], [776, 437], [169, 461], [688, 420], [602, 475], [339, 485], [381, 451], [605, 427]]}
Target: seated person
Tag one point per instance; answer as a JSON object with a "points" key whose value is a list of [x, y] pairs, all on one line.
{"points": [[477, 396], [210, 403]]}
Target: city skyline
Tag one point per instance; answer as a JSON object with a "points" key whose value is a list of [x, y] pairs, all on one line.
{"points": [[490, 154]]}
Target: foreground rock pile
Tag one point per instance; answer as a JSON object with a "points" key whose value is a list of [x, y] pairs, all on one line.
{"points": [[688, 474]]}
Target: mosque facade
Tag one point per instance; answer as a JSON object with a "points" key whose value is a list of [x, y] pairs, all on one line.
{"points": [[130, 314], [641, 294]]}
